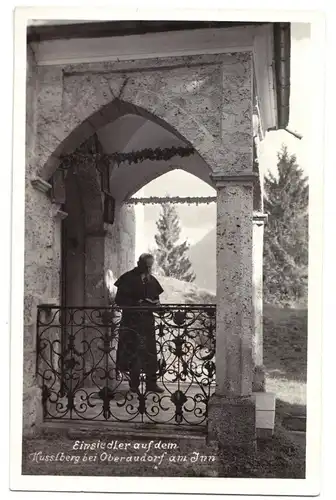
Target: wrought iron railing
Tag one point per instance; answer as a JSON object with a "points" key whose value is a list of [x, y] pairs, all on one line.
{"points": [[106, 363]]}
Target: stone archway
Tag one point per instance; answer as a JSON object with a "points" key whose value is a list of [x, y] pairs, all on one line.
{"points": [[196, 100], [205, 102], [85, 240], [201, 141], [97, 236]]}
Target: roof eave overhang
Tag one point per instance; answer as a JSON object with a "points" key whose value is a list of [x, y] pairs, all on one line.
{"points": [[99, 29], [279, 82]]}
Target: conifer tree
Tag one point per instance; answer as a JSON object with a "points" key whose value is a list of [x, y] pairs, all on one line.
{"points": [[286, 232], [170, 255]]}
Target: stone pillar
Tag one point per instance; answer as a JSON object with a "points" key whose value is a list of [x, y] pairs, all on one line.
{"points": [[259, 220], [231, 420], [95, 292]]}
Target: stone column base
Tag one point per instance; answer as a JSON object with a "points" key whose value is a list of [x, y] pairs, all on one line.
{"points": [[259, 382], [232, 422], [32, 411]]}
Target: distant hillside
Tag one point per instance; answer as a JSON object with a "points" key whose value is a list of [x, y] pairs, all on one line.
{"points": [[203, 258], [181, 292]]}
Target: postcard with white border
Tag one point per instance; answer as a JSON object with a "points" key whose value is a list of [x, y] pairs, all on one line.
{"points": [[166, 217]]}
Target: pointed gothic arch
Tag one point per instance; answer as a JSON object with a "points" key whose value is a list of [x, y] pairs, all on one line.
{"points": [[65, 140]]}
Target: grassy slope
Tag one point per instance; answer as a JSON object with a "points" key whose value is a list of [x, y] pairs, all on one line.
{"points": [[285, 356], [285, 342]]}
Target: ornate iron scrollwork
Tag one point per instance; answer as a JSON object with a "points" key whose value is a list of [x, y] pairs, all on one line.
{"points": [[81, 377]]}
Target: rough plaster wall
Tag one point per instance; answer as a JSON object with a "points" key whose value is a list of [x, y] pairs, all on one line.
{"points": [[39, 271], [42, 229], [31, 96]]}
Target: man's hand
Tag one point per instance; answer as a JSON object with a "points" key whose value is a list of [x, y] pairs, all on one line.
{"points": [[151, 301]]}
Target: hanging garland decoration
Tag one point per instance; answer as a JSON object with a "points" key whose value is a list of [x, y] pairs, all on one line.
{"points": [[156, 200], [156, 154]]}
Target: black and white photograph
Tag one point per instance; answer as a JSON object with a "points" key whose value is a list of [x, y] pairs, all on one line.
{"points": [[166, 246]]}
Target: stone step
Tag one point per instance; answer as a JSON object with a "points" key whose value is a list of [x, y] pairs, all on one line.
{"points": [[76, 430]]}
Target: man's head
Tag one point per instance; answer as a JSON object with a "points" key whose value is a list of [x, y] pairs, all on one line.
{"points": [[145, 262]]}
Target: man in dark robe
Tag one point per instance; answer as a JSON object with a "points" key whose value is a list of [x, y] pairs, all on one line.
{"points": [[137, 343]]}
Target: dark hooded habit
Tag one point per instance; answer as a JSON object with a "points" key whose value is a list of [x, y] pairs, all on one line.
{"points": [[137, 345]]}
